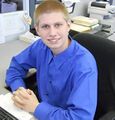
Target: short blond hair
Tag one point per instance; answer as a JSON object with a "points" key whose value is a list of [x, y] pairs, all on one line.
{"points": [[50, 6]]}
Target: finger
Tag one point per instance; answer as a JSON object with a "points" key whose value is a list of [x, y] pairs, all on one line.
{"points": [[18, 105], [15, 93], [20, 88], [24, 94], [16, 99], [21, 93], [29, 91]]}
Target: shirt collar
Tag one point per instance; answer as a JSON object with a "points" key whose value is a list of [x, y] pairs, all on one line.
{"points": [[63, 56], [50, 56]]}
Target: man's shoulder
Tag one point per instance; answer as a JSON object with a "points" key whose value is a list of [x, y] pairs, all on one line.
{"points": [[83, 51], [83, 57]]}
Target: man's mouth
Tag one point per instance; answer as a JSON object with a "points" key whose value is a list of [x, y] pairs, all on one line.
{"points": [[53, 40]]}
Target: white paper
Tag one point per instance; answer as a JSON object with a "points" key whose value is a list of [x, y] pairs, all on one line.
{"points": [[7, 103]]}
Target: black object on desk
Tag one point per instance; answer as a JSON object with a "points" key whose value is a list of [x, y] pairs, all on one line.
{"points": [[4, 115]]}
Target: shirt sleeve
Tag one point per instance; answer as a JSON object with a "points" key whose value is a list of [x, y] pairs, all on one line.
{"points": [[81, 104], [19, 67]]}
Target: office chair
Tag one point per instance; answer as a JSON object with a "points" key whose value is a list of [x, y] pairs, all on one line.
{"points": [[104, 52]]}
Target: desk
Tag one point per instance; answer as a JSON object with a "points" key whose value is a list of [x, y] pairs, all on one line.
{"points": [[7, 50], [99, 33], [112, 37]]}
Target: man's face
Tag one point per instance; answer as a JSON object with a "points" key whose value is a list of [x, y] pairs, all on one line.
{"points": [[54, 29]]}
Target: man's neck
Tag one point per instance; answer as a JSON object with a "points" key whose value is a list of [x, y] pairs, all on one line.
{"points": [[59, 50]]}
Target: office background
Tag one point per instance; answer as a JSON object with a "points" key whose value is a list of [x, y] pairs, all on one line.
{"points": [[11, 45]]}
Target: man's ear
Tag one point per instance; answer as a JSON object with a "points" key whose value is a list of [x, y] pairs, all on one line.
{"points": [[37, 29], [69, 24]]}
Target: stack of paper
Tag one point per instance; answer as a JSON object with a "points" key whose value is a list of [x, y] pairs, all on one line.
{"points": [[79, 28], [86, 21], [84, 24]]}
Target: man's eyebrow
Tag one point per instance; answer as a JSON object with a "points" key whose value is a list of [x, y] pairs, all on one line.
{"points": [[44, 24], [58, 22]]}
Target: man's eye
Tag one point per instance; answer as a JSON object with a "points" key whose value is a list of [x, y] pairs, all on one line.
{"points": [[58, 25], [45, 26]]}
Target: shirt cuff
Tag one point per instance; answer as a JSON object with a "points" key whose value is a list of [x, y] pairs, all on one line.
{"points": [[42, 110], [16, 84]]}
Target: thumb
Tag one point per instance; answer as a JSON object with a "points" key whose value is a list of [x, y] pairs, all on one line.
{"points": [[30, 92]]}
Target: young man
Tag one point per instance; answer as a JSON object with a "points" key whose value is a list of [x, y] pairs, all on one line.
{"points": [[66, 71]]}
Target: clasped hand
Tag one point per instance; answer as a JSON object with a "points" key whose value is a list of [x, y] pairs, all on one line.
{"points": [[25, 99]]}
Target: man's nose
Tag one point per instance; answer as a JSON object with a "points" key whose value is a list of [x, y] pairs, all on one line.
{"points": [[52, 31]]}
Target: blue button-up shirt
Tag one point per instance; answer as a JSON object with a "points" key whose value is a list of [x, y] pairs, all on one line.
{"points": [[67, 82]]}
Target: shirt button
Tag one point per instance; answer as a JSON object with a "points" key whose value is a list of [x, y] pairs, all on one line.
{"points": [[46, 94], [50, 81]]}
